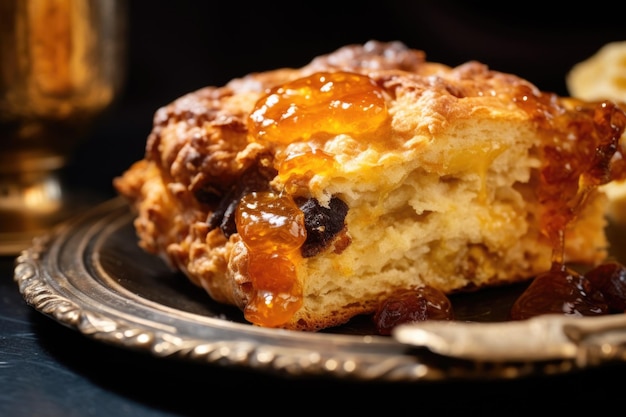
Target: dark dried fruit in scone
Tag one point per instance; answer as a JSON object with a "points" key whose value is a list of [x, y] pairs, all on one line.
{"points": [[322, 223]]}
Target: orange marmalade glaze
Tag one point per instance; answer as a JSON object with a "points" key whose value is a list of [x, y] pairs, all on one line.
{"points": [[272, 228], [580, 140], [314, 108], [319, 106], [579, 143], [581, 151], [324, 103]]}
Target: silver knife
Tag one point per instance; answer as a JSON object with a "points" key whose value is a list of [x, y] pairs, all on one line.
{"points": [[547, 337]]}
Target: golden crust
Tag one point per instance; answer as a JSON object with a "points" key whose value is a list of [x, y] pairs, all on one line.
{"points": [[449, 190]]}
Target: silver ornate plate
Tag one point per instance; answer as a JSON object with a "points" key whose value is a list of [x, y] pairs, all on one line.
{"points": [[90, 275]]}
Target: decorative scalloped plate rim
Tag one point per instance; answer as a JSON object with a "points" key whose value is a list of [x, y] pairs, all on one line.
{"points": [[83, 274]]}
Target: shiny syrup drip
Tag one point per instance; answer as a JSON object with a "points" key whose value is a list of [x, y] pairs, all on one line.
{"points": [[577, 161], [322, 103], [272, 226], [610, 279]]}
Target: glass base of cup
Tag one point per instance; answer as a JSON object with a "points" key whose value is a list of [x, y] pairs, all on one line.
{"points": [[32, 205]]}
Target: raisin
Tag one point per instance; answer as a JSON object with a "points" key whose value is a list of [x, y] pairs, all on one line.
{"points": [[421, 304], [272, 228], [322, 224], [610, 279], [331, 103], [561, 290]]}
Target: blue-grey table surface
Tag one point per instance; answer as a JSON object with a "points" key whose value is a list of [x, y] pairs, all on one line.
{"points": [[47, 369]]}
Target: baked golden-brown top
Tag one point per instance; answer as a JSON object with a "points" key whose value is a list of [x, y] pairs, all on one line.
{"points": [[309, 196]]}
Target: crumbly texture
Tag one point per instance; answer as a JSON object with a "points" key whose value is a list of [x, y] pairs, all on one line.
{"points": [[447, 199]]}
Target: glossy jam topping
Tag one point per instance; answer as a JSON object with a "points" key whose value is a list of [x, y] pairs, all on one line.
{"points": [[296, 170], [577, 160], [579, 142], [324, 103], [272, 228], [316, 107]]}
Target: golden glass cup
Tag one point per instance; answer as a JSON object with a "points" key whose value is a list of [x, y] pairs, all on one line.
{"points": [[62, 64]]}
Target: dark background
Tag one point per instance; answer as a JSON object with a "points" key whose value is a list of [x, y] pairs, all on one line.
{"points": [[176, 47]]}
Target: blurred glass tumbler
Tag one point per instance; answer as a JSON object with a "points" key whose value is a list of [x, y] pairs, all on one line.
{"points": [[61, 67]]}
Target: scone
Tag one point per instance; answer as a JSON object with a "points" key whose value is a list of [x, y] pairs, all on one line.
{"points": [[308, 196]]}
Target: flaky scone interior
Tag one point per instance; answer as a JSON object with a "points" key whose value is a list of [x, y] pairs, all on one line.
{"points": [[308, 196]]}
